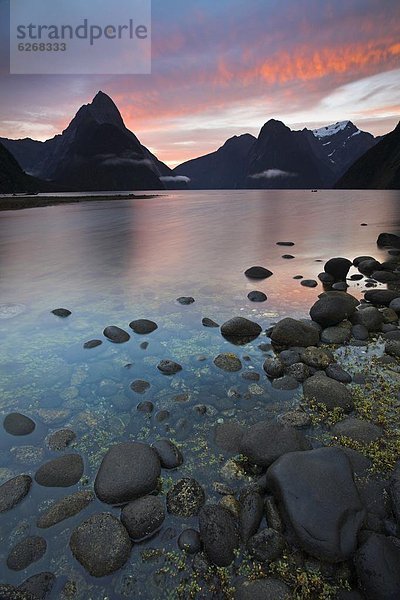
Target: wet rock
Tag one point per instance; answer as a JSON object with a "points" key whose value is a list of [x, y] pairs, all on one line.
{"points": [[145, 407], [317, 492], [338, 335], [258, 273], [92, 344], [394, 335], [390, 316], [394, 492], [324, 390], [116, 334], [101, 544], [298, 277], [185, 300], [358, 430], [219, 534], [27, 551], [359, 332], [65, 508], [273, 367], [317, 357], [381, 297], [392, 347], [257, 296], [310, 283], [370, 317], [289, 357], [335, 371], [189, 541], [206, 322], [378, 568], [185, 498], [385, 277], [266, 441], [263, 589], [288, 256], [285, 243], [143, 326], [285, 383], [388, 240], [38, 586], [367, 267], [250, 515], [162, 416], [356, 277], [340, 286], [332, 308], [18, 424], [299, 371], [395, 305], [338, 268], [295, 418], [143, 516], [251, 375], [60, 472], [232, 504], [170, 456], [13, 491], [139, 386], [267, 545], [169, 367], [291, 332], [60, 440], [228, 362], [228, 436], [360, 259], [61, 312], [128, 470], [240, 330], [326, 279], [272, 515]]}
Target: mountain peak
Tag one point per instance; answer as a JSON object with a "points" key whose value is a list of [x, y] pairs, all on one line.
{"points": [[334, 128], [273, 126], [103, 110]]}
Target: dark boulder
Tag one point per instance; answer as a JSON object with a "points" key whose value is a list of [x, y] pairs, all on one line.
{"points": [[206, 322], [38, 586], [92, 344], [170, 456], [266, 441], [143, 326], [61, 312], [378, 568], [256, 296], [143, 516], [228, 436], [228, 362], [273, 367], [358, 430], [27, 551], [240, 330], [267, 545], [318, 495], [189, 541], [291, 332], [185, 498], [101, 544], [60, 472], [116, 334], [169, 367], [263, 589], [338, 268], [332, 308], [17, 424], [61, 439], [13, 491], [128, 471], [250, 514], [219, 534], [185, 300], [388, 240], [335, 371], [327, 391], [258, 273], [370, 317], [65, 508], [381, 297]]}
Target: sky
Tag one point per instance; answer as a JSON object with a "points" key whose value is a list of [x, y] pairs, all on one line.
{"points": [[225, 67]]}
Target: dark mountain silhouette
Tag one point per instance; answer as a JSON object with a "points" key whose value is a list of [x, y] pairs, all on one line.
{"points": [[282, 158], [379, 168], [13, 178], [222, 169], [342, 144], [95, 152]]}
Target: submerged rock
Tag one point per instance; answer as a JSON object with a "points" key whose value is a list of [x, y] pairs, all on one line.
{"points": [[318, 494], [116, 334], [37, 587], [258, 273], [101, 544], [266, 441], [267, 545], [185, 498], [219, 534], [228, 362], [60, 472], [143, 326], [358, 430], [27, 551], [228, 436], [65, 508], [143, 516], [273, 367], [189, 541], [127, 471], [60, 440], [263, 589], [139, 386], [170, 456], [13, 491], [18, 424], [92, 344], [206, 322]]}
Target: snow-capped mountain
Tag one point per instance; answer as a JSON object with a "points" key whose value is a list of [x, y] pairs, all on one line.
{"points": [[342, 144]]}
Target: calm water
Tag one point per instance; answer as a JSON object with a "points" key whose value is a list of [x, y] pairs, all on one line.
{"points": [[112, 262]]}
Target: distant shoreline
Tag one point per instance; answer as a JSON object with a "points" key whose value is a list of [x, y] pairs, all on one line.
{"points": [[22, 202]]}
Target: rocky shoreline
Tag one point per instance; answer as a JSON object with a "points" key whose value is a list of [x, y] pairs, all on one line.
{"points": [[22, 202], [308, 502]]}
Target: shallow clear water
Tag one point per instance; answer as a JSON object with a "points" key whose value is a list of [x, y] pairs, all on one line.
{"points": [[112, 262]]}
